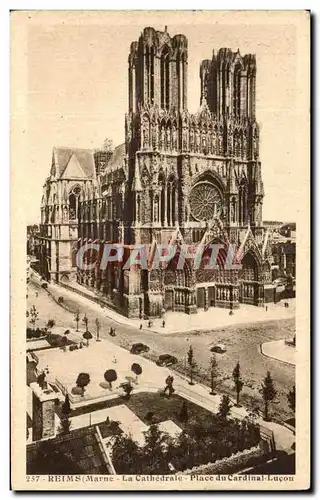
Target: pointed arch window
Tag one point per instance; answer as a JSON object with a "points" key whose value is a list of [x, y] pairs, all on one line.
{"points": [[236, 90], [150, 73], [74, 202], [164, 78]]}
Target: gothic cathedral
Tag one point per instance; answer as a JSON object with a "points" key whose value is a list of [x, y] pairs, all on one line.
{"points": [[180, 178]]}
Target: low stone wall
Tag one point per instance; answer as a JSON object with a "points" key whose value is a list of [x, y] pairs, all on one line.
{"points": [[229, 465]]}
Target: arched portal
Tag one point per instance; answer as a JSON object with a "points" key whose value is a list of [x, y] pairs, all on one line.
{"points": [[215, 283], [249, 278], [178, 287]]}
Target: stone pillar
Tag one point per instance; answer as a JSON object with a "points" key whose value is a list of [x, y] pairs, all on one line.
{"points": [[206, 307], [133, 92], [170, 206], [176, 208], [43, 414], [165, 205], [243, 94]]}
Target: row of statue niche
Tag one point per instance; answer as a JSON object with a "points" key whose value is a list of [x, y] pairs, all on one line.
{"points": [[168, 137], [248, 291], [198, 143], [226, 294]]}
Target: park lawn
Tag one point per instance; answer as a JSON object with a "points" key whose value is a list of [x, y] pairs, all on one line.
{"points": [[163, 408], [243, 342]]}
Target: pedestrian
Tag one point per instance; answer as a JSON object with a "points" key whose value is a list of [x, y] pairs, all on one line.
{"points": [[266, 308], [149, 324], [140, 326], [163, 323], [37, 294], [114, 359]]}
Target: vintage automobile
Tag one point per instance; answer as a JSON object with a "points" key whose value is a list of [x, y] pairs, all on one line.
{"points": [[139, 348], [166, 360], [219, 348]]}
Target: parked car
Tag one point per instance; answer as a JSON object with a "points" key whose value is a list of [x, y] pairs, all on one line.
{"points": [[219, 348], [166, 360], [139, 348]]}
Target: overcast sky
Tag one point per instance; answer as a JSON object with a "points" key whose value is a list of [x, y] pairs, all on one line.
{"points": [[77, 89]]}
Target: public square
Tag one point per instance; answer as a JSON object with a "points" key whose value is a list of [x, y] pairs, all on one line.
{"points": [[243, 343]]}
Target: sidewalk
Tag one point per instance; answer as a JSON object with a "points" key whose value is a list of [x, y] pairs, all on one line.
{"points": [[277, 349], [179, 322]]}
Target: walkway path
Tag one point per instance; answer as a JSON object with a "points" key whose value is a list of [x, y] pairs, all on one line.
{"points": [[177, 322]]}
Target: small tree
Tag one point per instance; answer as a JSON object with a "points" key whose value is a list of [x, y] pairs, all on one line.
{"points": [[137, 370], [65, 422], [224, 407], [184, 415], [169, 385], [291, 397], [110, 376], [77, 319], [98, 325], [268, 392], [41, 380], [64, 427], [85, 321], [213, 373], [238, 383], [127, 390], [64, 342], [191, 363], [50, 324], [82, 381], [66, 408], [33, 314], [87, 336]]}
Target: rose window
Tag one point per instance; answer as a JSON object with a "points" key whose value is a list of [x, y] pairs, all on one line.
{"points": [[205, 202]]}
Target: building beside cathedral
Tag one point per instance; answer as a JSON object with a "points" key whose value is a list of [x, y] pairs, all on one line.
{"points": [[179, 178]]}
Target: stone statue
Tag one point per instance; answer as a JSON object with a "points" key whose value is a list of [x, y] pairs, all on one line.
{"points": [[146, 140], [184, 139], [168, 139], [162, 138], [174, 135], [197, 141]]}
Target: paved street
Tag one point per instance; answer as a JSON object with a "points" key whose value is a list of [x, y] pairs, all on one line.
{"points": [[242, 342]]}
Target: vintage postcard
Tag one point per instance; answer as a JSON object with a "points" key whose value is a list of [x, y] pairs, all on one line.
{"points": [[160, 250]]}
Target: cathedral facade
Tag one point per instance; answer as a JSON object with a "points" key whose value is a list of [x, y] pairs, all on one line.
{"points": [[179, 178]]}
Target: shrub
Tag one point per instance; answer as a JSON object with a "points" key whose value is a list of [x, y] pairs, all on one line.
{"points": [[110, 376], [87, 336], [183, 415], [83, 380], [136, 369], [149, 416], [60, 300]]}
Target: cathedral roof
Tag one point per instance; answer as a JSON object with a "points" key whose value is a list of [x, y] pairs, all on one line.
{"points": [[117, 157], [63, 155]]}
